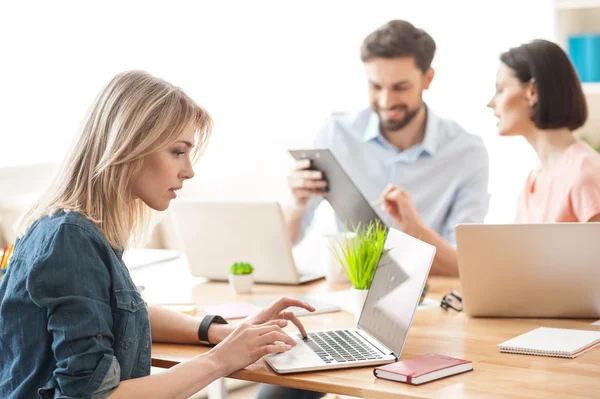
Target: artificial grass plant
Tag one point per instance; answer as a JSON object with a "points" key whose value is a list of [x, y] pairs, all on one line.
{"points": [[359, 255]]}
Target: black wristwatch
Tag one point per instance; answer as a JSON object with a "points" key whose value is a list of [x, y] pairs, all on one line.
{"points": [[205, 324]]}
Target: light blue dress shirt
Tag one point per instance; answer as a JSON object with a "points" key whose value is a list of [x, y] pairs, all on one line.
{"points": [[446, 174]]}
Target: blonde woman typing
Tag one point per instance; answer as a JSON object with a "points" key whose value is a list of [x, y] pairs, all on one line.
{"points": [[72, 324], [539, 97]]}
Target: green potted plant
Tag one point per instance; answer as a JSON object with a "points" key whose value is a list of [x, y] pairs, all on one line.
{"points": [[240, 277], [359, 256]]}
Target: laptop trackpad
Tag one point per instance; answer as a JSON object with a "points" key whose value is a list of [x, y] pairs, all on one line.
{"points": [[297, 357]]}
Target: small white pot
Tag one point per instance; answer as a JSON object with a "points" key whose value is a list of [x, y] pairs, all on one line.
{"points": [[241, 283], [335, 272], [359, 297]]}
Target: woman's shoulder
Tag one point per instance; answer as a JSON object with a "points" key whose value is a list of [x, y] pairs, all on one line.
{"points": [[584, 162], [61, 248], [582, 156], [59, 219], [61, 229]]}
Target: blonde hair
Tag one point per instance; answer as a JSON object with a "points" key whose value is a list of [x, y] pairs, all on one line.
{"points": [[136, 114]]}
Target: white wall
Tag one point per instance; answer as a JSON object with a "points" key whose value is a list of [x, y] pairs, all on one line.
{"points": [[268, 71]]}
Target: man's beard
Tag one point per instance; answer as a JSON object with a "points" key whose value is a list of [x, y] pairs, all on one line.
{"points": [[394, 125]]}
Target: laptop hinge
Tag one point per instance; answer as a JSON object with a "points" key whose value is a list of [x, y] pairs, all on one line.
{"points": [[375, 342]]}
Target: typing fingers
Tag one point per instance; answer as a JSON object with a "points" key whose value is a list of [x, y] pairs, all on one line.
{"points": [[278, 322], [275, 337], [285, 302], [292, 317], [267, 328], [275, 348]]}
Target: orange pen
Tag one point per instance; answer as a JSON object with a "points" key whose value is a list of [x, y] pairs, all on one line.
{"points": [[10, 251], [3, 256]]}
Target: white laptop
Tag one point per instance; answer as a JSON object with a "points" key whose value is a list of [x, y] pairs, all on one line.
{"points": [[530, 270], [385, 319], [214, 235]]}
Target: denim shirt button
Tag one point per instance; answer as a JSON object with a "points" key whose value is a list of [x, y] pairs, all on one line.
{"points": [[99, 337], [132, 305]]}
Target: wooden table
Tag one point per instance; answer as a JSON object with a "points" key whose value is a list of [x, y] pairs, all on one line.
{"points": [[433, 330]]}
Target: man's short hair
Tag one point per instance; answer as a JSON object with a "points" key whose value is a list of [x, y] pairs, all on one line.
{"points": [[398, 39], [561, 102]]}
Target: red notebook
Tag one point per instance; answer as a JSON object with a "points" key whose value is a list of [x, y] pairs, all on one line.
{"points": [[423, 369]]}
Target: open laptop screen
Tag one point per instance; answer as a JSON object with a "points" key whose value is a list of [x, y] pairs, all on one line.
{"points": [[396, 289]]}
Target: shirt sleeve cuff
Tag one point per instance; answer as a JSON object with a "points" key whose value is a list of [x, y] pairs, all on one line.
{"points": [[110, 382]]}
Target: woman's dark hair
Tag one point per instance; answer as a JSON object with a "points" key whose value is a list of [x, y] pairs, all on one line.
{"points": [[399, 39], [561, 102]]}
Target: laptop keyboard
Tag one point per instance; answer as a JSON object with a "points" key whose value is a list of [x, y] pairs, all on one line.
{"points": [[339, 346]]}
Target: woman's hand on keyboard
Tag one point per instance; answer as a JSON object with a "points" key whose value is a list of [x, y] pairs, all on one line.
{"points": [[248, 343], [277, 311]]}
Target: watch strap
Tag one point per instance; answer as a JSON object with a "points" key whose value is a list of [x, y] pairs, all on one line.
{"points": [[204, 326]]}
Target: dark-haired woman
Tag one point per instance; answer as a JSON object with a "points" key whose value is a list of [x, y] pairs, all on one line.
{"points": [[539, 96]]}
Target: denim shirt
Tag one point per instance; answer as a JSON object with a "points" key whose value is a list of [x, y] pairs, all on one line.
{"points": [[72, 323]]}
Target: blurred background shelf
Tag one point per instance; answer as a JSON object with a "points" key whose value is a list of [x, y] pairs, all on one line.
{"points": [[591, 88], [573, 17], [577, 17]]}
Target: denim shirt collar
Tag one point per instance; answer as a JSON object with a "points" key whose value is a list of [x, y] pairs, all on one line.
{"points": [[118, 252]]}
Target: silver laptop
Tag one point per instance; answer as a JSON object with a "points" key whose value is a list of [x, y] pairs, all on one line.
{"points": [[214, 235], [385, 319], [530, 270]]}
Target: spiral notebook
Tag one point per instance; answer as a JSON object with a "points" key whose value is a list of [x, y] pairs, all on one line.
{"points": [[557, 342]]}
